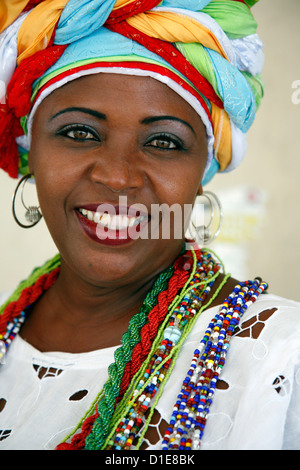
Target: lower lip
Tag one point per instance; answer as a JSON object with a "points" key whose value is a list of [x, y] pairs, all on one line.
{"points": [[97, 233]]}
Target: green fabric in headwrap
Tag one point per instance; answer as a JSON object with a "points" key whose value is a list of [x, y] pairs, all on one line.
{"points": [[196, 54], [234, 18], [250, 3], [257, 86]]}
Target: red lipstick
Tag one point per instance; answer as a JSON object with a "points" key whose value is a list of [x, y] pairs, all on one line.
{"points": [[110, 224]]}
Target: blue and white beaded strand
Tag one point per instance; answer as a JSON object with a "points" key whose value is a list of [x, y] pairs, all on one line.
{"points": [[190, 411], [12, 330]]}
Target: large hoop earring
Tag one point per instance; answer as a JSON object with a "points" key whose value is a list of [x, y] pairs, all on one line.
{"points": [[199, 230], [33, 214]]}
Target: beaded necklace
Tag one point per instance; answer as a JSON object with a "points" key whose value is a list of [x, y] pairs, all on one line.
{"points": [[148, 383], [116, 419]]}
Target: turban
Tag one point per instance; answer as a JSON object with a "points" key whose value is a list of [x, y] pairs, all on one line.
{"points": [[207, 51]]}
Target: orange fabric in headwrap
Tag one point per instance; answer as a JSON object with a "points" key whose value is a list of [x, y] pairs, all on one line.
{"points": [[37, 29], [222, 133], [9, 11], [174, 27]]}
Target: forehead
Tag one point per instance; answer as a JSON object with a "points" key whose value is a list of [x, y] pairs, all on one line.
{"points": [[120, 94]]}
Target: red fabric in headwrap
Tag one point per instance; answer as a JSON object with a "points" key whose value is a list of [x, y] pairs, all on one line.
{"points": [[32, 4], [18, 104], [168, 52], [131, 9]]}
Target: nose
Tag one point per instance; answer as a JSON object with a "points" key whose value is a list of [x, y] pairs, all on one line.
{"points": [[119, 169]]}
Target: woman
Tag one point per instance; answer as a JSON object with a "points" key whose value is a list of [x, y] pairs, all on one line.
{"points": [[119, 109]]}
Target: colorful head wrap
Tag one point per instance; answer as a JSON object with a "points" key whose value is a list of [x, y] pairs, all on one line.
{"points": [[207, 51]]}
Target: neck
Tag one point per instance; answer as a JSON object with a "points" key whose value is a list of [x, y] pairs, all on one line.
{"points": [[76, 316]]}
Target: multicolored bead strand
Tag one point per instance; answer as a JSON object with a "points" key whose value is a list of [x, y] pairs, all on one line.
{"points": [[150, 380], [193, 403], [12, 330]]}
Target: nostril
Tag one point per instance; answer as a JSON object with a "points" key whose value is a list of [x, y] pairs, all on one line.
{"points": [[117, 176]]}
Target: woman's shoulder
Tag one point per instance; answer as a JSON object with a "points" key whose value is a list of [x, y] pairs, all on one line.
{"points": [[265, 300], [270, 300], [272, 319]]}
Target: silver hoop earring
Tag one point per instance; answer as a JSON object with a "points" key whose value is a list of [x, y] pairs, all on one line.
{"points": [[32, 214], [205, 232]]}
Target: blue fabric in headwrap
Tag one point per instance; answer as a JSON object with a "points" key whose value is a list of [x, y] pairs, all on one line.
{"points": [[82, 16], [192, 5], [235, 92], [105, 43]]}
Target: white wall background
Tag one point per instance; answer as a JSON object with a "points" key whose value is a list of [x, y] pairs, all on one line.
{"points": [[272, 164], [271, 170]]}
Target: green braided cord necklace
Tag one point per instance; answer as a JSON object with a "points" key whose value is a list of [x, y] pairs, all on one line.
{"points": [[107, 397]]}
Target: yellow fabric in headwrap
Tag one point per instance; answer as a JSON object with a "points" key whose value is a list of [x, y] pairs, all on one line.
{"points": [[9, 11], [222, 134], [37, 29], [173, 27], [122, 3]]}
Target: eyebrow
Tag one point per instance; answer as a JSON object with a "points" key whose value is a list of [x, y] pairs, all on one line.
{"points": [[92, 112], [151, 119], [97, 114]]}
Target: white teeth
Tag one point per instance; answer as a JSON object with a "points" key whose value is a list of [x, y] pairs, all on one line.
{"points": [[97, 217], [113, 222], [105, 219]]}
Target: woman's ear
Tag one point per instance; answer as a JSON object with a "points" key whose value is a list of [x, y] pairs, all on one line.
{"points": [[200, 190], [30, 165]]}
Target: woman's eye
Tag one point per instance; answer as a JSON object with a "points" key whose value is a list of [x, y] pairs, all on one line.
{"points": [[164, 143], [78, 133]]}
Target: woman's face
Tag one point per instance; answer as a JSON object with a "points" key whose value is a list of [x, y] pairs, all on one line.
{"points": [[122, 145]]}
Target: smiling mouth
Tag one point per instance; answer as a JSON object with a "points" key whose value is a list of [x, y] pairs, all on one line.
{"points": [[113, 225], [112, 221]]}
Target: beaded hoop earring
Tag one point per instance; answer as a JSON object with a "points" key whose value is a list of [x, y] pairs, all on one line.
{"points": [[33, 213], [204, 233]]}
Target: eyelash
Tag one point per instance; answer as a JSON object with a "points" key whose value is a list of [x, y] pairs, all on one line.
{"points": [[78, 128], [163, 137], [177, 144]]}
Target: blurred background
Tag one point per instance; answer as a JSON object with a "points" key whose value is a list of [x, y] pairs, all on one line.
{"points": [[261, 225]]}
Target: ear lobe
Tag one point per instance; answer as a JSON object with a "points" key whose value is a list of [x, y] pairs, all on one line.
{"points": [[200, 190], [30, 166]]}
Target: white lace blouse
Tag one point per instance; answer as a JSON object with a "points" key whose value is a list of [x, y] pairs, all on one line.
{"points": [[256, 404]]}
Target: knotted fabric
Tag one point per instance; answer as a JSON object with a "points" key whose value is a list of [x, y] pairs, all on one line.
{"points": [[207, 51]]}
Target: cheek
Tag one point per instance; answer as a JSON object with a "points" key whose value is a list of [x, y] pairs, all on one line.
{"points": [[53, 180], [181, 185], [177, 193]]}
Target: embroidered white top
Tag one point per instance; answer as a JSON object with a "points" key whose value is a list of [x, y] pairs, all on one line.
{"points": [[256, 404]]}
